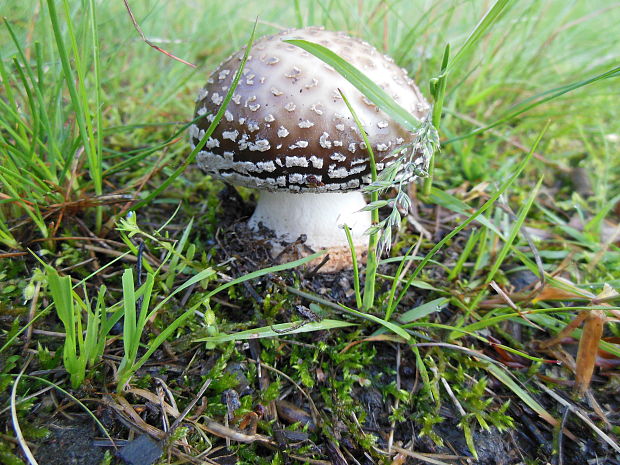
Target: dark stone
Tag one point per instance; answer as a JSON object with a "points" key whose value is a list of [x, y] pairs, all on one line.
{"points": [[141, 451], [522, 279]]}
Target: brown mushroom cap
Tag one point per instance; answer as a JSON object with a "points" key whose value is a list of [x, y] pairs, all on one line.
{"points": [[288, 129]]}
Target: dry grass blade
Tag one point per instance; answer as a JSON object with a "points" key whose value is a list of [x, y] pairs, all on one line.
{"points": [[588, 348], [169, 409], [127, 412], [222, 431], [425, 457], [511, 304], [16, 427]]}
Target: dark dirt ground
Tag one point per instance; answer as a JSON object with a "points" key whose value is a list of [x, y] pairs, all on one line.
{"points": [[71, 442]]}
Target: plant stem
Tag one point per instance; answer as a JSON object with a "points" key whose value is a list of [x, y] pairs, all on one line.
{"points": [[438, 91], [371, 263], [356, 273]]}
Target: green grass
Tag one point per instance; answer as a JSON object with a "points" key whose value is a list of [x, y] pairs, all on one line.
{"points": [[93, 125]]}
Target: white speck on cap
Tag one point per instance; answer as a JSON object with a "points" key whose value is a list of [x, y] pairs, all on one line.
{"points": [[261, 145], [300, 144], [231, 135], [296, 178], [316, 162], [212, 143], [305, 124], [326, 144], [315, 108], [267, 166], [282, 131], [334, 172], [296, 161], [294, 73], [202, 94], [313, 83]]}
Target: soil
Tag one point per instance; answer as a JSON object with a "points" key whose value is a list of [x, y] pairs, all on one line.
{"points": [[70, 443]]}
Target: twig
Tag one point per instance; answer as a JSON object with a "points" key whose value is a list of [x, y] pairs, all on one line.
{"points": [[455, 401], [561, 436], [190, 406], [148, 42], [163, 387]]}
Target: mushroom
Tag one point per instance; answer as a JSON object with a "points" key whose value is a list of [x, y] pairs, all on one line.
{"points": [[288, 132]]}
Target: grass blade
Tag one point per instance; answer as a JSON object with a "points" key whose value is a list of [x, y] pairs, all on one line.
{"points": [[264, 271], [356, 272], [371, 90], [488, 20], [268, 331], [76, 101], [129, 305], [423, 310], [450, 202]]}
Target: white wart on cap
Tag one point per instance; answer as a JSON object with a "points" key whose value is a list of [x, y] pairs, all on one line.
{"points": [[287, 128]]}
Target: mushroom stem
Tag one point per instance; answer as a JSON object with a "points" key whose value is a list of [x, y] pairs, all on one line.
{"points": [[319, 217]]}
